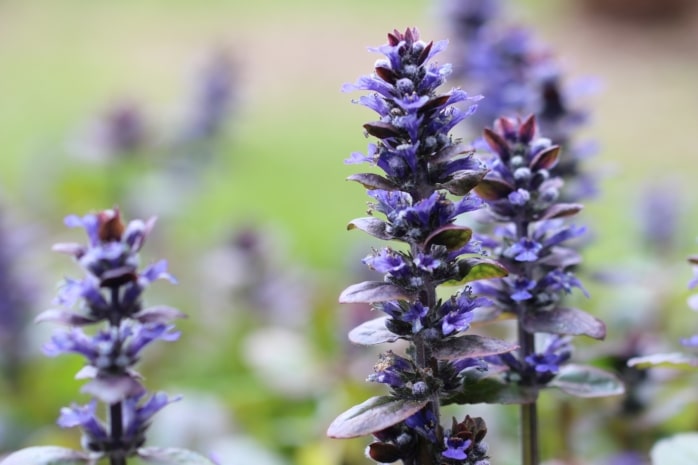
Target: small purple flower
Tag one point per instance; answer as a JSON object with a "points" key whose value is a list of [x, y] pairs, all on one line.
{"points": [[525, 250], [387, 261], [424, 423], [456, 447], [416, 314], [521, 288]]}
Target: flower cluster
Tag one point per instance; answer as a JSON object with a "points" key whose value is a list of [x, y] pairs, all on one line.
{"points": [[111, 293], [424, 168], [518, 76]]}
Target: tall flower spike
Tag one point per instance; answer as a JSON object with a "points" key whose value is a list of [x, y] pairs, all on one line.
{"points": [[523, 197], [110, 293], [423, 169]]}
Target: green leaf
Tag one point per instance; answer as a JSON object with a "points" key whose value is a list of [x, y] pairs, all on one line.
{"points": [[587, 381], [172, 456], [375, 414], [471, 346], [491, 390], [681, 449], [473, 269], [570, 321], [373, 226], [673, 360], [452, 237], [373, 291], [372, 332], [47, 455]]}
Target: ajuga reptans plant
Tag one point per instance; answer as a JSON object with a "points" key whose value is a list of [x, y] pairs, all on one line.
{"points": [[115, 421], [530, 241], [425, 186]]}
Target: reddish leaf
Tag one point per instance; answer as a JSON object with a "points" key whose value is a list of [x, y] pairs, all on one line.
{"points": [[497, 143], [561, 210], [449, 152], [382, 130], [373, 291], [527, 130], [560, 320], [386, 74], [493, 189], [462, 182], [373, 415], [471, 346], [546, 159]]}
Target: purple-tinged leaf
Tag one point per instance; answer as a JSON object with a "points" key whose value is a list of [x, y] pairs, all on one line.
{"points": [[571, 321], [452, 237], [386, 74], [64, 317], [462, 182], [546, 159], [434, 103], [474, 269], [484, 315], [172, 456], [382, 130], [373, 291], [425, 53], [493, 189], [373, 226], [471, 346], [497, 143], [158, 314], [449, 152], [561, 210], [491, 390], [673, 360], [113, 389], [373, 415], [383, 452], [527, 130], [693, 259], [373, 181], [48, 455], [372, 332], [587, 381]]}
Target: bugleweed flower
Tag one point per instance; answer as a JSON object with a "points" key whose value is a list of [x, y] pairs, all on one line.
{"points": [[523, 197], [110, 293], [519, 76], [425, 186]]}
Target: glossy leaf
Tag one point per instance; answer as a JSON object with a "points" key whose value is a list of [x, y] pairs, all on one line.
{"points": [[462, 182], [373, 226], [473, 269], [546, 159], [382, 130], [452, 237], [681, 449], [373, 415], [372, 332], [497, 143], [527, 130], [450, 152], [172, 456], [673, 360], [561, 210], [570, 321], [493, 189], [47, 455], [373, 181], [470, 346], [491, 390], [373, 291], [587, 381]]}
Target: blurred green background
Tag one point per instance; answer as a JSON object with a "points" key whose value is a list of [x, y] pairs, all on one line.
{"points": [[265, 375]]}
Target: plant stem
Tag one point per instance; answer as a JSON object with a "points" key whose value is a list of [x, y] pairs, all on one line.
{"points": [[117, 425]]}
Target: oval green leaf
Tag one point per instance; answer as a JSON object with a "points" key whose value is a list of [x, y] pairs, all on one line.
{"points": [[172, 456], [373, 415], [491, 390], [47, 455], [587, 381], [372, 332], [452, 237], [681, 449], [474, 269]]}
